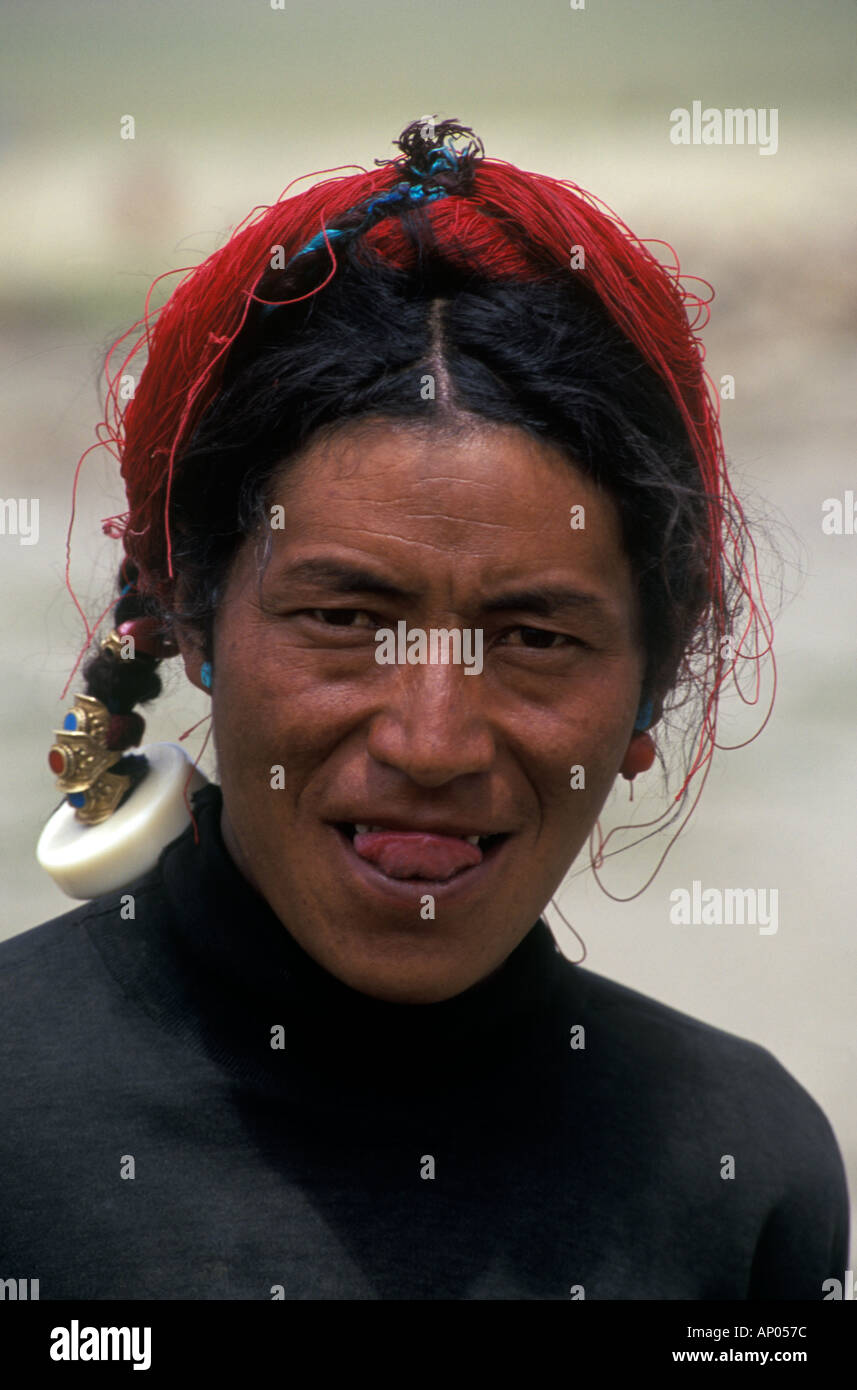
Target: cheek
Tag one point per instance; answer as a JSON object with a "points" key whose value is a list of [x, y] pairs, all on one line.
{"points": [[271, 706], [572, 757]]}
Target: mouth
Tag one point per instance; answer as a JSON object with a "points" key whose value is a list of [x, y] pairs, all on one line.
{"points": [[483, 842], [409, 859]]}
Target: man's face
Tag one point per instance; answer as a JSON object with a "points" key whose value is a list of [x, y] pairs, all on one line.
{"points": [[470, 530]]}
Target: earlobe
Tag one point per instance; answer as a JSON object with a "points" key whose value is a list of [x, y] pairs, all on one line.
{"points": [[641, 750], [639, 757], [193, 657]]}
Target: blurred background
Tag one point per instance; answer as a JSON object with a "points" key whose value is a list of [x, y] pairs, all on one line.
{"points": [[232, 99]]}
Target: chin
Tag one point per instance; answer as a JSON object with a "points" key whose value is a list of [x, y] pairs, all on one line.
{"points": [[405, 976]]}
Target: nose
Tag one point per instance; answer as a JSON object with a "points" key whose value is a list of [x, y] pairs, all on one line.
{"points": [[433, 725]]}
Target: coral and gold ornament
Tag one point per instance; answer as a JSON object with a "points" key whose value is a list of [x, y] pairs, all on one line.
{"points": [[82, 757]]}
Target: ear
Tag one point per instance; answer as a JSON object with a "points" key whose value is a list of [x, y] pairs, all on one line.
{"points": [[190, 646], [657, 709]]}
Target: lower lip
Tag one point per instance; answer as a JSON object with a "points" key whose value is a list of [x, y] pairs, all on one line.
{"points": [[468, 883]]}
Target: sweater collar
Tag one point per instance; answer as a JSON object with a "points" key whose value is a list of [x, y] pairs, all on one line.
{"points": [[252, 960]]}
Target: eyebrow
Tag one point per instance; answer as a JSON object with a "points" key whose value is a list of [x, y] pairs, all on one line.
{"points": [[545, 600], [342, 578], [540, 599]]}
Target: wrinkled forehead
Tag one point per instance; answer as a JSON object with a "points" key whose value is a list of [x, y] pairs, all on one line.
{"points": [[456, 513], [458, 479]]}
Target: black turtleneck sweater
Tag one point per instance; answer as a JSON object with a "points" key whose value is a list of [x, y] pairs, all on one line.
{"points": [[459, 1150]]}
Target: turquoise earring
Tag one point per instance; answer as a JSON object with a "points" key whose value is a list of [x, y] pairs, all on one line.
{"points": [[644, 715], [205, 674]]}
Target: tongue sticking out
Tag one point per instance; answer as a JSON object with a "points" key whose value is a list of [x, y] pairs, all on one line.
{"points": [[411, 854]]}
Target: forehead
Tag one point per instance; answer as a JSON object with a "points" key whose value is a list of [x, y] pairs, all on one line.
{"points": [[479, 496]]}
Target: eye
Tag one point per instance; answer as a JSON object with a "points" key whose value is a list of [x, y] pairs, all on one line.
{"points": [[539, 637], [342, 617]]}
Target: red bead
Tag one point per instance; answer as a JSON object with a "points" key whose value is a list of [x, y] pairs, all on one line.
{"points": [[125, 731], [56, 761], [639, 757]]}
